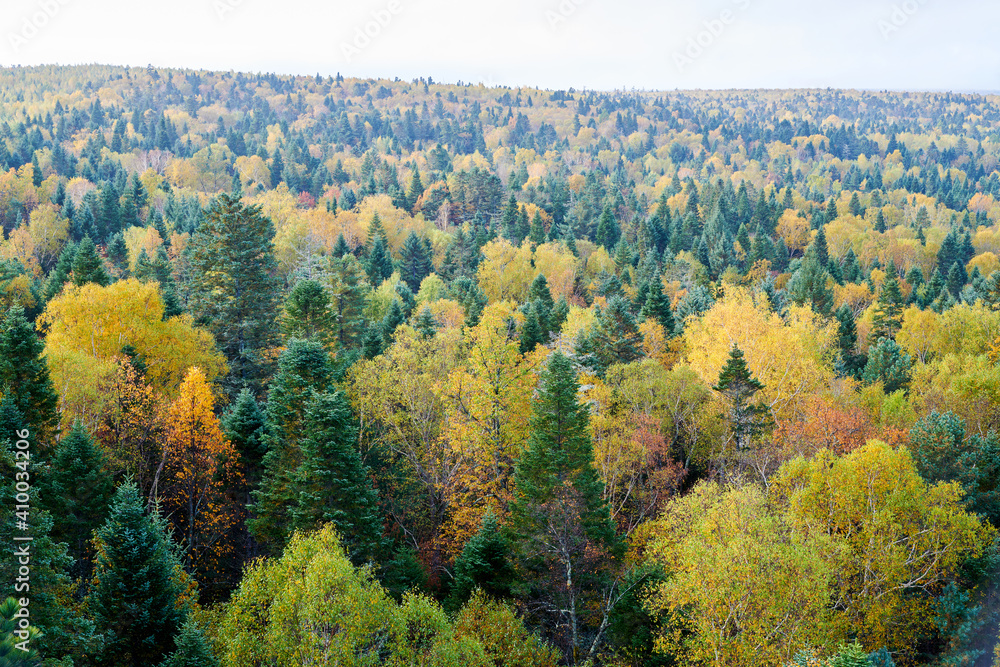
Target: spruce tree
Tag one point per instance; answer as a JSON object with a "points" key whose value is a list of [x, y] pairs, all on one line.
{"points": [[307, 314], [379, 265], [304, 367], [24, 378], [747, 420], [808, 284], [850, 363], [331, 483], [558, 498], [88, 267], [193, 649], [78, 491], [234, 289], [888, 364], [559, 313], [138, 588], [657, 306], [484, 564], [615, 338], [244, 424], [60, 274], [532, 334], [414, 262], [537, 232], [608, 232], [888, 310], [425, 324]]}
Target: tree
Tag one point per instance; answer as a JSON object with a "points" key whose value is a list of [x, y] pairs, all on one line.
{"points": [[347, 292], [307, 314], [332, 484], [414, 262], [78, 491], [303, 367], [88, 267], [200, 467], [850, 363], [888, 310], [564, 540], [608, 232], [379, 264], [234, 292], [139, 599], [808, 285], [615, 338], [193, 649], [887, 364], [657, 306], [747, 420], [484, 565], [24, 377]]}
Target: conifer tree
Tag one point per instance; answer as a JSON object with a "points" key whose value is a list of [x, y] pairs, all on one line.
{"points": [[60, 273], [379, 265], [244, 424], [331, 483], [24, 378], [138, 596], [808, 284], [340, 248], [531, 331], [88, 267], [425, 323], [307, 314], [560, 526], [414, 262], [78, 491], [850, 362], [608, 232], [393, 318], [888, 310], [234, 290], [537, 232], [484, 564], [193, 649], [118, 254], [747, 420], [657, 306], [559, 313], [616, 338]]}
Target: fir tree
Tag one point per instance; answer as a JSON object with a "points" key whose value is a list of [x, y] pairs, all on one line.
{"points": [[193, 649], [747, 420], [657, 306], [608, 232], [560, 311], [484, 564], [244, 424], [532, 334], [118, 254], [808, 284], [616, 338], [537, 232], [888, 364], [425, 323], [307, 314], [60, 274], [850, 363], [88, 267], [331, 484], [414, 262], [24, 378], [340, 248], [379, 265], [78, 491], [390, 322], [137, 596], [888, 310], [234, 290]]}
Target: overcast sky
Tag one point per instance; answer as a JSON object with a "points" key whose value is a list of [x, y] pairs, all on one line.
{"points": [[598, 44]]}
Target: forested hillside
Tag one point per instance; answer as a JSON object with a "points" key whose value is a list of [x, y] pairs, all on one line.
{"points": [[319, 370]]}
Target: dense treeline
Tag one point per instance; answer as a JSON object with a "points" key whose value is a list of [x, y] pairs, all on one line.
{"points": [[339, 371]]}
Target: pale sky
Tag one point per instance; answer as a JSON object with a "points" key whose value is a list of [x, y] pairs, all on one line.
{"points": [[557, 44]]}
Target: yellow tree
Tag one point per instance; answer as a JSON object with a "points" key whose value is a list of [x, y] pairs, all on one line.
{"points": [[200, 471], [505, 271], [898, 539], [489, 404]]}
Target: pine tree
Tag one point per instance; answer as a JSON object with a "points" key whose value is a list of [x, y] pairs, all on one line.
{"points": [[747, 420], [331, 484], [307, 314], [78, 490], [193, 649], [24, 378], [558, 499], [88, 267], [484, 564], [888, 364], [138, 598], [414, 262], [234, 290]]}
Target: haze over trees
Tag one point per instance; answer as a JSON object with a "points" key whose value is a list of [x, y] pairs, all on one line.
{"points": [[344, 371]]}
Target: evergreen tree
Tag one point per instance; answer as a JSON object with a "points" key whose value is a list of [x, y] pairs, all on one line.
{"points": [[390, 322], [415, 190], [234, 291], [414, 262], [193, 649], [111, 221], [615, 338], [747, 420], [559, 313], [888, 364], [888, 310], [808, 284], [60, 273], [303, 367], [608, 232], [956, 280], [850, 363], [307, 314], [484, 564], [379, 265], [508, 220], [24, 378], [657, 306], [138, 595], [532, 334], [537, 232], [331, 483], [88, 267], [851, 270], [244, 424], [425, 323], [78, 491], [558, 498], [340, 248]]}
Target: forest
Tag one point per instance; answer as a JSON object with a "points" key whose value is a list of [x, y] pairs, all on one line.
{"points": [[315, 370]]}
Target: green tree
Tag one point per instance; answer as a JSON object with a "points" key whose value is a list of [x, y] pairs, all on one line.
{"points": [[414, 262], [657, 306], [60, 274], [537, 232], [331, 484], [307, 314], [888, 364], [347, 300], [615, 338], [138, 600], [193, 649], [888, 310], [234, 292], [608, 232], [560, 527], [24, 377], [532, 334], [484, 564], [88, 267], [808, 284], [850, 363], [747, 420]]}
